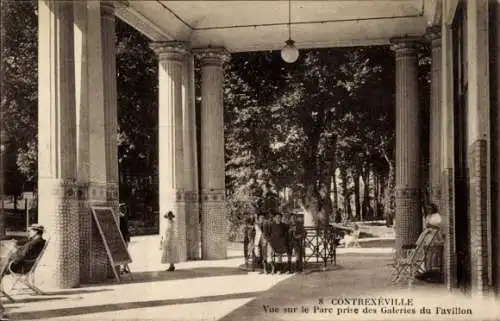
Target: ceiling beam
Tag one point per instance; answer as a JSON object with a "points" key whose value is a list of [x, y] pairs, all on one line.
{"points": [[142, 24], [433, 12]]}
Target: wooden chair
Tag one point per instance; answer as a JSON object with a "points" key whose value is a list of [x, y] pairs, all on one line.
{"points": [[2, 290], [414, 260], [28, 277]]}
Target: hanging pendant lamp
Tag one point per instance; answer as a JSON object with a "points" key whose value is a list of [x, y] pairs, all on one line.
{"points": [[289, 53]]}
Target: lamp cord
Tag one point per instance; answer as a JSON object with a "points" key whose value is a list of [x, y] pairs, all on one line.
{"points": [[289, 19]]}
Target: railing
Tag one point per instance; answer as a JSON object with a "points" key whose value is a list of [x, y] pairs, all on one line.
{"points": [[320, 245]]}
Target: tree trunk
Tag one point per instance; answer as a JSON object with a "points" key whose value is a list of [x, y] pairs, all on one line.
{"points": [[336, 199], [389, 193], [376, 193], [357, 192], [309, 205], [365, 209], [345, 194]]}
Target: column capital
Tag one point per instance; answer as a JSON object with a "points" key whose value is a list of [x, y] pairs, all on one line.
{"points": [[433, 34], [170, 50], [405, 46], [213, 56], [108, 6]]}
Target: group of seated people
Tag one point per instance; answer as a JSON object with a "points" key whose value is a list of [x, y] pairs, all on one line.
{"points": [[268, 237]]}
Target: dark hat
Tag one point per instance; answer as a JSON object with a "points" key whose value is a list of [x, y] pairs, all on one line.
{"points": [[37, 227], [169, 215]]}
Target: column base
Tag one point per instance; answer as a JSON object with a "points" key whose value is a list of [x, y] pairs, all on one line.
{"points": [[113, 199], [408, 216], [478, 216], [448, 228], [59, 267], [93, 256], [192, 227], [214, 230], [436, 194]]}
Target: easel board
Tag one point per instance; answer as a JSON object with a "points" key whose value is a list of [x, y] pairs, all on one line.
{"points": [[112, 238]]}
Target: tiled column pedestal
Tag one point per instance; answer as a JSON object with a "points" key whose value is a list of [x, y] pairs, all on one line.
{"points": [[171, 56], [93, 257], [214, 223], [57, 205], [478, 220], [408, 211]]}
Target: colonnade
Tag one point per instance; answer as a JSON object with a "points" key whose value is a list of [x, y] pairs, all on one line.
{"points": [[78, 160], [78, 164]]}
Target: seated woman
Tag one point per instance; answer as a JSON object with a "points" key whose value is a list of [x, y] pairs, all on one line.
{"points": [[434, 218]]}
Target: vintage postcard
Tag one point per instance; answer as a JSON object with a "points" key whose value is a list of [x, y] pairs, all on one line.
{"points": [[250, 160]]}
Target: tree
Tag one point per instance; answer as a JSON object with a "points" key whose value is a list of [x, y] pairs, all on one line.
{"points": [[19, 93], [311, 112], [137, 87]]}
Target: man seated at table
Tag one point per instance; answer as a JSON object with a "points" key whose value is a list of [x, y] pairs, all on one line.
{"points": [[278, 242], [23, 258]]}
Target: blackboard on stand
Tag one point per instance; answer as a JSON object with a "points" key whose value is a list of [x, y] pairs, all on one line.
{"points": [[112, 238]]}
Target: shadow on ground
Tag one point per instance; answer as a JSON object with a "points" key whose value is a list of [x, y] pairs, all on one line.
{"points": [[179, 274], [68, 312]]}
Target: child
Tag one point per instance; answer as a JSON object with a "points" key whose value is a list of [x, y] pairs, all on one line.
{"points": [[248, 240], [168, 243], [125, 231], [260, 243]]}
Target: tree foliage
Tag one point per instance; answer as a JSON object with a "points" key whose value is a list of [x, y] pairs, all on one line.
{"points": [[334, 108], [137, 86], [322, 126], [19, 93]]}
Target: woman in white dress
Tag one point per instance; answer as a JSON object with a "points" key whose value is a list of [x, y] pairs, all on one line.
{"points": [[168, 245]]}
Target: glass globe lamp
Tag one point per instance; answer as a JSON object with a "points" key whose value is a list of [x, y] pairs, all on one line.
{"points": [[290, 53]]}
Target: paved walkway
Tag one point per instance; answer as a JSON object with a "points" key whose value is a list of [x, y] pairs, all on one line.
{"points": [[218, 290]]}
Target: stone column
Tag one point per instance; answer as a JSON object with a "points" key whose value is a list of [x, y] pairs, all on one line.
{"points": [[108, 38], [91, 149], [496, 157], [190, 159], [2, 179], [434, 36], [408, 211], [478, 140], [171, 56], [447, 206], [57, 204], [213, 192]]}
